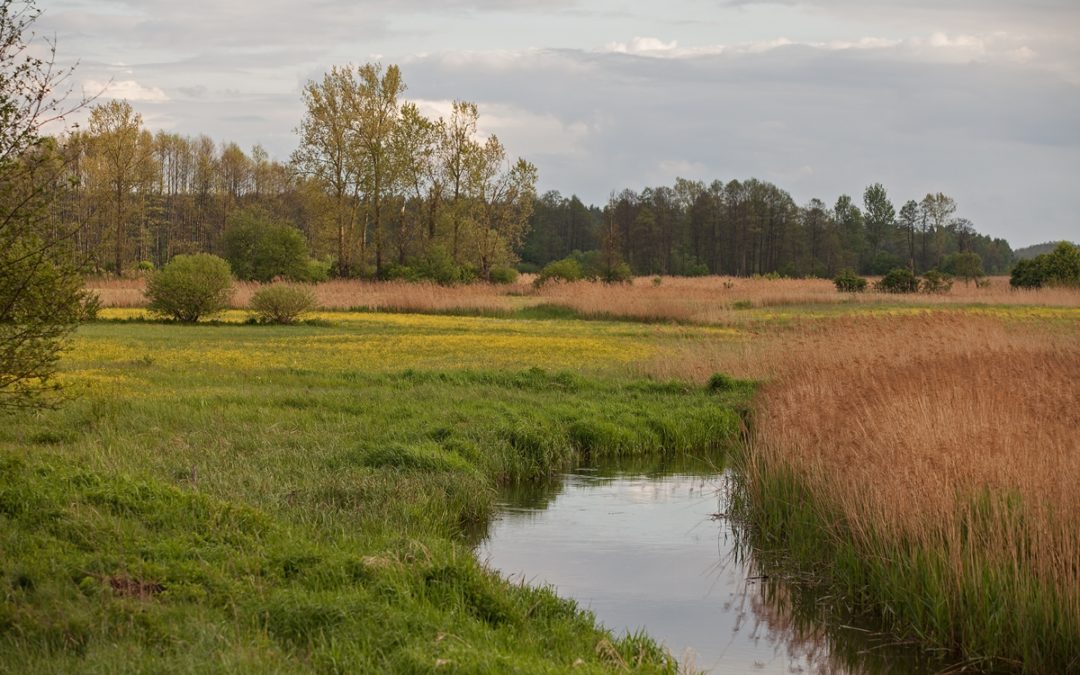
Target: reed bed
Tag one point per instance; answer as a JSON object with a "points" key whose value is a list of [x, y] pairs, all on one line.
{"points": [[927, 467], [702, 300]]}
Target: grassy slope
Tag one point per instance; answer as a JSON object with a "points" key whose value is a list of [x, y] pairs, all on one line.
{"points": [[257, 499]]}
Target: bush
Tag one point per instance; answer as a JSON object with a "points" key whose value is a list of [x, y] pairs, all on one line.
{"points": [[966, 265], [936, 282], [722, 382], [1061, 267], [849, 282], [282, 303], [566, 269], [620, 273], [190, 287], [145, 266], [439, 266], [394, 272], [260, 249], [503, 275], [898, 280]]}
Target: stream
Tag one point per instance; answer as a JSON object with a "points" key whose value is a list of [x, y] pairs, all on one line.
{"points": [[649, 547]]}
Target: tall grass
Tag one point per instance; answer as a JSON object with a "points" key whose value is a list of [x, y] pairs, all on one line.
{"points": [[927, 468], [704, 300]]}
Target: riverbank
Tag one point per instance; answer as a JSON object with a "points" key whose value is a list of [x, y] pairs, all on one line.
{"points": [[251, 498]]}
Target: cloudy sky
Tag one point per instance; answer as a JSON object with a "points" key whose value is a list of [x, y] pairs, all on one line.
{"points": [[979, 99]]}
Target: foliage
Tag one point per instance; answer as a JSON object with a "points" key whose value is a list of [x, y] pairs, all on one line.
{"points": [[566, 269], [935, 282], [966, 264], [849, 282], [618, 274], [190, 287], [503, 275], [898, 280], [41, 296], [1061, 267], [282, 303], [261, 249]]}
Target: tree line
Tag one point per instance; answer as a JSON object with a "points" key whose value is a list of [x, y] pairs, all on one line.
{"points": [[378, 189], [754, 227], [375, 187]]}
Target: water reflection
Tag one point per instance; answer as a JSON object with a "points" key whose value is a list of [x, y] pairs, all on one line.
{"points": [[647, 546]]}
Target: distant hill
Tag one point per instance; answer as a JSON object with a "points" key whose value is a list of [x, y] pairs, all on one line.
{"points": [[1037, 249]]}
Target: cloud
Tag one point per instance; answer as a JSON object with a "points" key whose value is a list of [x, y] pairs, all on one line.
{"points": [[642, 45], [820, 120], [124, 89]]}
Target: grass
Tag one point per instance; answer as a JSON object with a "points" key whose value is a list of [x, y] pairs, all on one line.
{"points": [[931, 482], [701, 301], [912, 460], [252, 498]]}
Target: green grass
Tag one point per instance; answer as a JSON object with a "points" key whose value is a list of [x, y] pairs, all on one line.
{"points": [[241, 512], [907, 590]]}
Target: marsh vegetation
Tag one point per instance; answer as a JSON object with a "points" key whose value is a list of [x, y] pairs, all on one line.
{"points": [[302, 497]]}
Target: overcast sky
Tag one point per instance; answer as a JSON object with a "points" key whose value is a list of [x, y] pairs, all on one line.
{"points": [[979, 99]]}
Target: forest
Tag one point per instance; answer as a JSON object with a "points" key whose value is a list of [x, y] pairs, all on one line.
{"points": [[379, 190]]}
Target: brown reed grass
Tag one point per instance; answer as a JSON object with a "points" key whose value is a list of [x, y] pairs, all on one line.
{"points": [[957, 435], [703, 300]]}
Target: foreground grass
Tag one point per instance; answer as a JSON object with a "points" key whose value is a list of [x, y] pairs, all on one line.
{"points": [[245, 498]]}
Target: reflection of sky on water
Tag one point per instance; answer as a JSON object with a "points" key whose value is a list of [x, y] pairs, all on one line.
{"points": [[645, 552]]}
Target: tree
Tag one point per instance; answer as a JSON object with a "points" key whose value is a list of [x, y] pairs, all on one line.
{"points": [[909, 218], [124, 162], [41, 296], [328, 151], [936, 209], [505, 195], [879, 217], [374, 107]]}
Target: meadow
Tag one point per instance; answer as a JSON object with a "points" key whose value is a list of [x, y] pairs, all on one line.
{"points": [[239, 497], [252, 498]]}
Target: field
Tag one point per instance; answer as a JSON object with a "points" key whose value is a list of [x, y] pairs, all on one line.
{"points": [[241, 497], [255, 498]]}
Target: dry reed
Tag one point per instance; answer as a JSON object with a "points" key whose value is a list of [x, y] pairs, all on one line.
{"points": [[703, 300], [943, 441]]}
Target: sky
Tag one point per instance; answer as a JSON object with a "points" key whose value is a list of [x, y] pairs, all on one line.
{"points": [[979, 99]]}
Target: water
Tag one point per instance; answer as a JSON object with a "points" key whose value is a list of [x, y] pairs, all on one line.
{"points": [[652, 549]]}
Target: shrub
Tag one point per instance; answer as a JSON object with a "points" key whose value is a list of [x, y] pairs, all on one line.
{"points": [[260, 249], [898, 280], [966, 265], [566, 269], [936, 282], [145, 266], [282, 303], [1060, 267], [722, 382], [619, 273], [394, 272], [503, 275], [190, 287], [439, 266], [849, 282]]}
